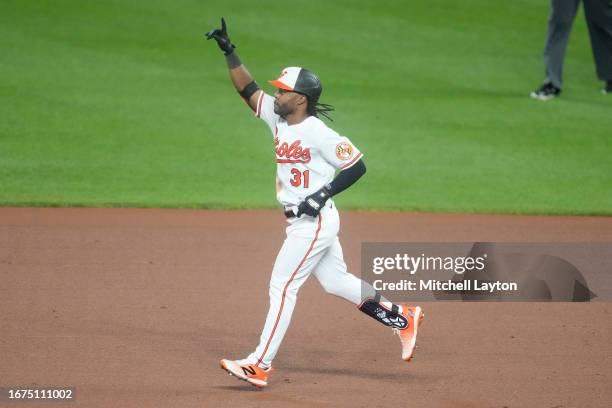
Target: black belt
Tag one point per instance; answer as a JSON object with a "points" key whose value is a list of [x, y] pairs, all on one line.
{"points": [[289, 214]]}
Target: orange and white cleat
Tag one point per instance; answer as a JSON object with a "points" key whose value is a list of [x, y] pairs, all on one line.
{"points": [[246, 371], [408, 336]]}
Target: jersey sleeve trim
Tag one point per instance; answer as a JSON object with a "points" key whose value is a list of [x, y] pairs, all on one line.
{"points": [[352, 162], [259, 101]]}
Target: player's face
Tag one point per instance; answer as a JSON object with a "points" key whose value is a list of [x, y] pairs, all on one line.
{"points": [[286, 102]]}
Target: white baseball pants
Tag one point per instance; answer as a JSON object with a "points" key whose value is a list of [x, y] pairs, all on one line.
{"points": [[311, 246]]}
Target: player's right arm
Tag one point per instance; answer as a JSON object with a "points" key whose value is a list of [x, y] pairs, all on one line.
{"points": [[240, 76]]}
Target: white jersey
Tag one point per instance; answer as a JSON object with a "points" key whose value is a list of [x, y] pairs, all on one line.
{"points": [[307, 154]]}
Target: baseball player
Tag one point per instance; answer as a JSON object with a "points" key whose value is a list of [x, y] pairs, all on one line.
{"points": [[308, 154]]}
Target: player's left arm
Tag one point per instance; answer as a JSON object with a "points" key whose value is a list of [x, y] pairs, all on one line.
{"points": [[313, 204]]}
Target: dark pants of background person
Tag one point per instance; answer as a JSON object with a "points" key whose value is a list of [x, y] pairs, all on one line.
{"points": [[598, 15]]}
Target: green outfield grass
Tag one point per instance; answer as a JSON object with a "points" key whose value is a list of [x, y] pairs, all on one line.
{"points": [[123, 103]]}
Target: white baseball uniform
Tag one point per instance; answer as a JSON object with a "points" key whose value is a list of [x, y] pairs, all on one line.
{"points": [[307, 156]]}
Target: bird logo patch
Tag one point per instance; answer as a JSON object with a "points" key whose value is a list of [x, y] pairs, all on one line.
{"points": [[344, 151]]}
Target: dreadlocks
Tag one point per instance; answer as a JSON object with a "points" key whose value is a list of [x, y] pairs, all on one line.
{"points": [[316, 109]]}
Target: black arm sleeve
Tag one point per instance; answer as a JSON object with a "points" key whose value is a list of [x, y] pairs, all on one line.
{"points": [[346, 178], [249, 90]]}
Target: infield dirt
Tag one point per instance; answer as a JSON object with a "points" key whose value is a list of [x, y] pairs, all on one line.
{"points": [[136, 307]]}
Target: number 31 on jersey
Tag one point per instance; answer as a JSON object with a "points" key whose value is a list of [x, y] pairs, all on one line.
{"points": [[298, 176]]}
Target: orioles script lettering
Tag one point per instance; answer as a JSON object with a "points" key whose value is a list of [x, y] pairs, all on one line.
{"points": [[294, 153]]}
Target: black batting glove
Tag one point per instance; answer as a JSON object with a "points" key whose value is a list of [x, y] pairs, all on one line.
{"points": [[223, 41], [313, 204]]}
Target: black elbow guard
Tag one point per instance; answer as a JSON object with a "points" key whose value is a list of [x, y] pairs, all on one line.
{"points": [[249, 90]]}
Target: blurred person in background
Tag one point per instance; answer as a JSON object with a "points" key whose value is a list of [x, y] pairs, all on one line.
{"points": [[598, 15]]}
